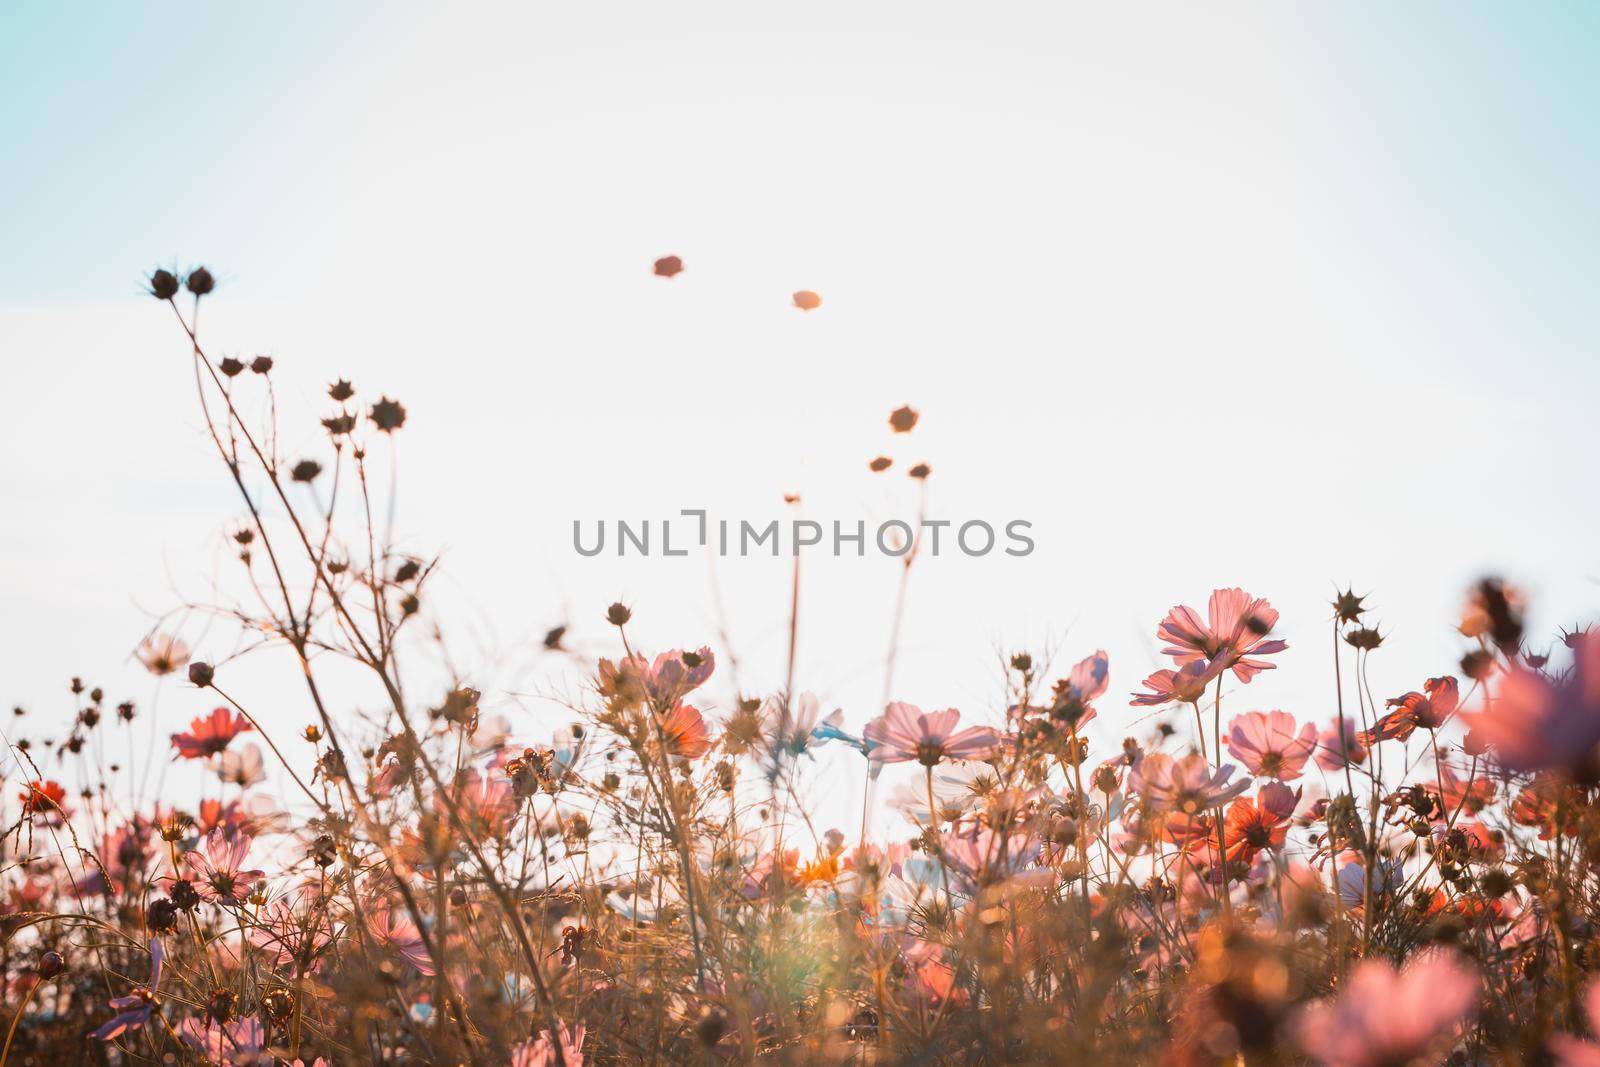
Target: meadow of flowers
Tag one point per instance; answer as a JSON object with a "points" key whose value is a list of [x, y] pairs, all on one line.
{"points": [[1409, 878]]}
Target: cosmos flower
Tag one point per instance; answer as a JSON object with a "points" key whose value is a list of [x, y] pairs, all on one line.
{"points": [[1383, 1016], [1234, 633], [44, 797], [905, 732], [683, 730], [1536, 724], [1387, 878], [484, 803], [1252, 825], [295, 928], [162, 654], [239, 1040], [135, 1009], [243, 767], [1071, 700], [957, 788], [1183, 686], [1268, 743], [217, 868], [1186, 785], [983, 859], [1428, 710], [1333, 751], [1471, 793], [541, 1052], [210, 734], [399, 933], [790, 725], [668, 680]]}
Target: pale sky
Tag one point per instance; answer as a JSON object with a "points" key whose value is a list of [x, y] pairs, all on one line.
{"points": [[1281, 297]]}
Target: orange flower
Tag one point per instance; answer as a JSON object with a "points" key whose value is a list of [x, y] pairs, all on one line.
{"points": [[684, 731], [43, 797], [1252, 825]]}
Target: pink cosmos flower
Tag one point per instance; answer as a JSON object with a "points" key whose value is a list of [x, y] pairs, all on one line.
{"points": [[541, 1051], [1536, 724], [983, 859], [1086, 682], [905, 732], [1183, 686], [1234, 632], [1571, 1051], [135, 1009], [1186, 785], [483, 802], [1333, 752], [398, 932], [295, 929], [240, 1040], [1428, 710], [1385, 1016], [210, 734], [1268, 743], [217, 868], [668, 680]]}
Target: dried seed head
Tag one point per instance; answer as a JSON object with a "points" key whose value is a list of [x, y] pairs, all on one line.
{"points": [[220, 1004], [341, 390], [903, 419], [184, 895], [278, 1004], [306, 470], [668, 266], [261, 364], [618, 614], [231, 367], [880, 464], [161, 916], [200, 674], [1347, 606], [1365, 638], [920, 471], [200, 282], [51, 964], [163, 285], [388, 415]]}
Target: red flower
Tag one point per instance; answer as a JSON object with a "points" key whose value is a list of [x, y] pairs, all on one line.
{"points": [[210, 734], [1427, 710], [43, 798]]}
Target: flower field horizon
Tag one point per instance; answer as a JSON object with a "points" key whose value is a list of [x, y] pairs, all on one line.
{"points": [[1393, 876]]}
